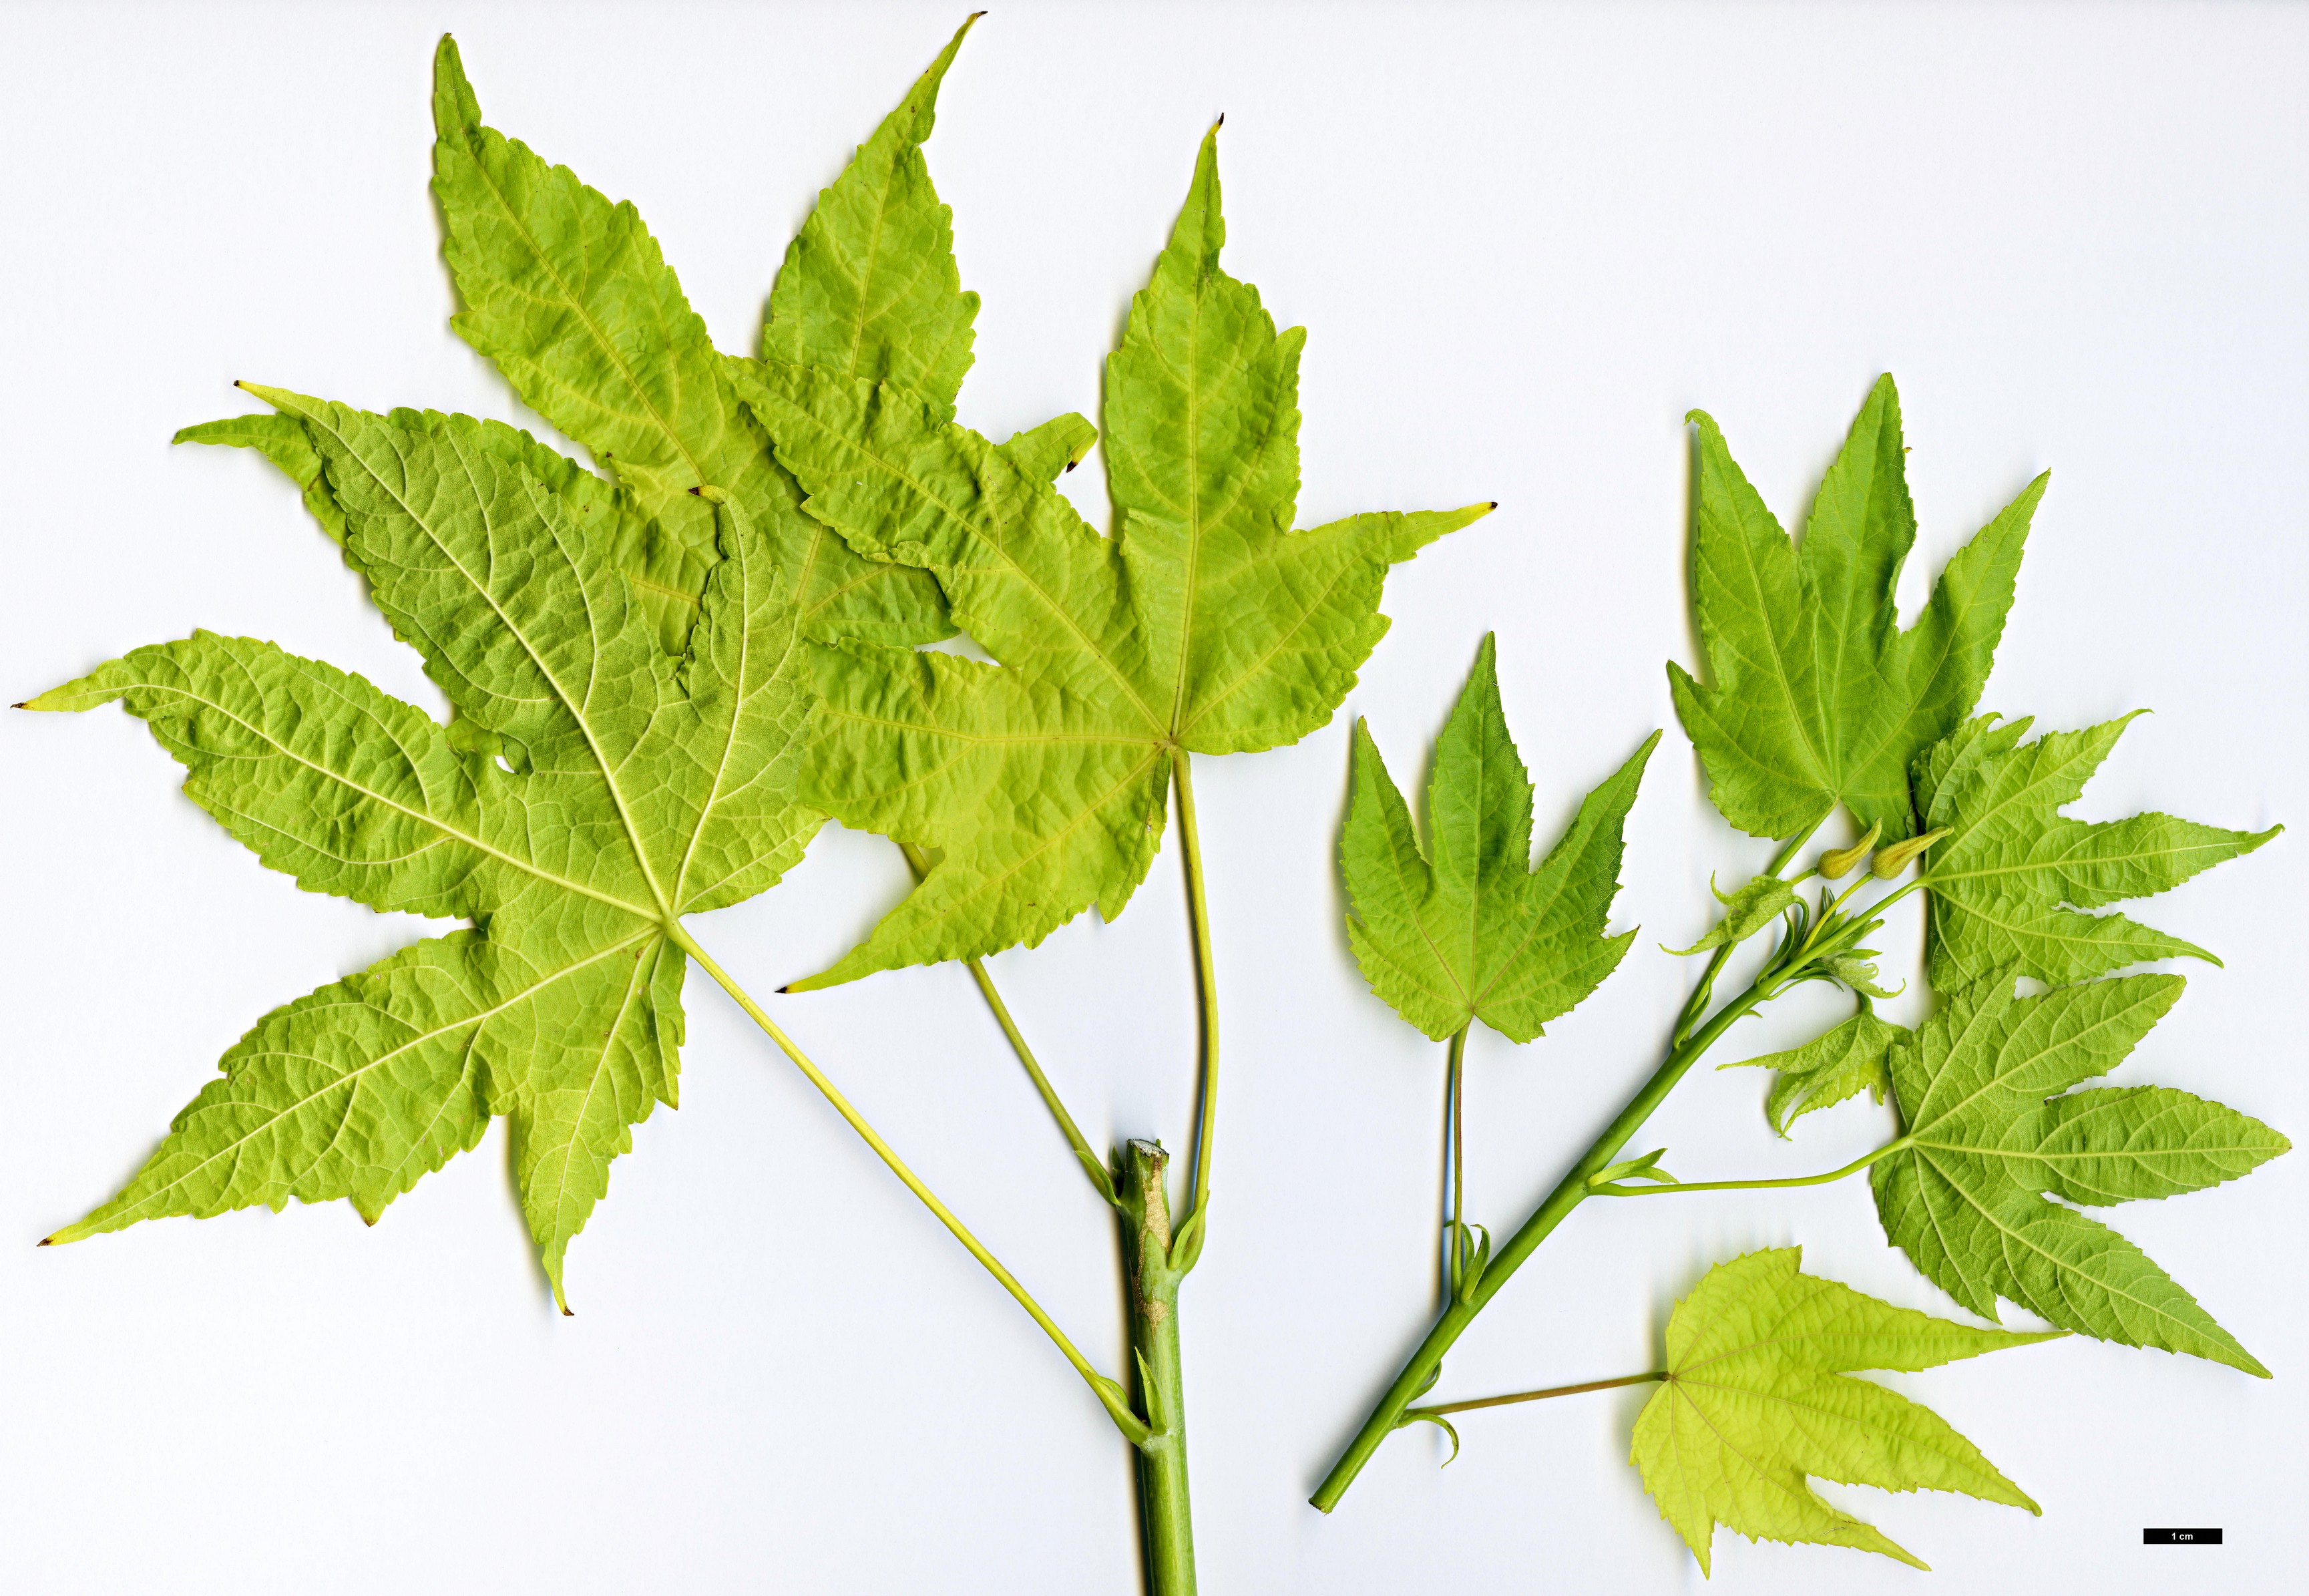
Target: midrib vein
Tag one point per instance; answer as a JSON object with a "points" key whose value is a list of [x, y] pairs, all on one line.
{"points": [[452, 832]]}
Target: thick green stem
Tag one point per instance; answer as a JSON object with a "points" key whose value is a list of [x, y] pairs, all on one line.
{"points": [[1569, 1193], [1167, 1526], [1198, 915], [1854, 1167], [1111, 1395]]}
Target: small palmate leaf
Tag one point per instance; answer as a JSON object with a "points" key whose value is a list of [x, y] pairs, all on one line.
{"points": [[1758, 1395], [1817, 696], [2007, 884], [1204, 625], [1747, 910], [634, 789], [1989, 1141], [1843, 1063], [1464, 927]]}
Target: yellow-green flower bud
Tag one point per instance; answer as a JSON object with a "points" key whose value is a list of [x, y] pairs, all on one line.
{"points": [[1838, 862], [1894, 859]]}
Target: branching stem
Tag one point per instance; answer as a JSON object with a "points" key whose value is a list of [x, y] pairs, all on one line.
{"points": [[1692, 1037]]}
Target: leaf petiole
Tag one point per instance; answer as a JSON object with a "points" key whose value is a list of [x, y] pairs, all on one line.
{"points": [[1094, 1167], [1454, 1090], [1854, 1167], [1436, 1410], [1111, 1395], [1198, 914]]}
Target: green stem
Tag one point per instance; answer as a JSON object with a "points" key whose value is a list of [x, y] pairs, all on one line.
{"points": [[1440, 1409], [1167, 1519], [1093, 1165], [1198, 914], [1696, 1005], [1569, 1193], [1854, 1167], [1111, 1396]]}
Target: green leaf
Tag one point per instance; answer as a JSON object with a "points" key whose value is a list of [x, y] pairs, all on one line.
{"points": [[280, 439], [631, 789], [1852, 1058], [1645, 1168], [1758, 1396], [1463, 927], [1988, 1141], [1817, 697], [1204, 625], [568, 295], [2007, 884], [1747, 910], [870, 287]]}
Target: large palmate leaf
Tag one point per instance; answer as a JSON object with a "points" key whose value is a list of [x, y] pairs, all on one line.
{"points": [[1989, 1141], [2007, 882], [1758, 1395], [1817, 697], [1464, 928], [591, 792], [1206, 625], [568, 294]]}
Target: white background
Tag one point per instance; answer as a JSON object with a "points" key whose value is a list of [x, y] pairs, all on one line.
{"points": [[1526, 242]]}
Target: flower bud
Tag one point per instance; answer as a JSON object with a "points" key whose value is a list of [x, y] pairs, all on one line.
{"points": [[1838, 862], [1890, 862]]}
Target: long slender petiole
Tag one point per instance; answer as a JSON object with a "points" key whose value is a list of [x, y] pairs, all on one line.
{"points": [[1111, 1396], [1198, 914], [1094, 1167], [1440, 1408], [1854, 1167], [1455, 1090]]}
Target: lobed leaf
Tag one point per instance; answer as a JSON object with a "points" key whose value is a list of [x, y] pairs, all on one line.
{"points": [[1757, 1396], [590, 792], [1840, 1063], [2007, 885], [1988, 1141], [1747, 910], [1202, 626], [1465, 927], [1817, 697]]}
